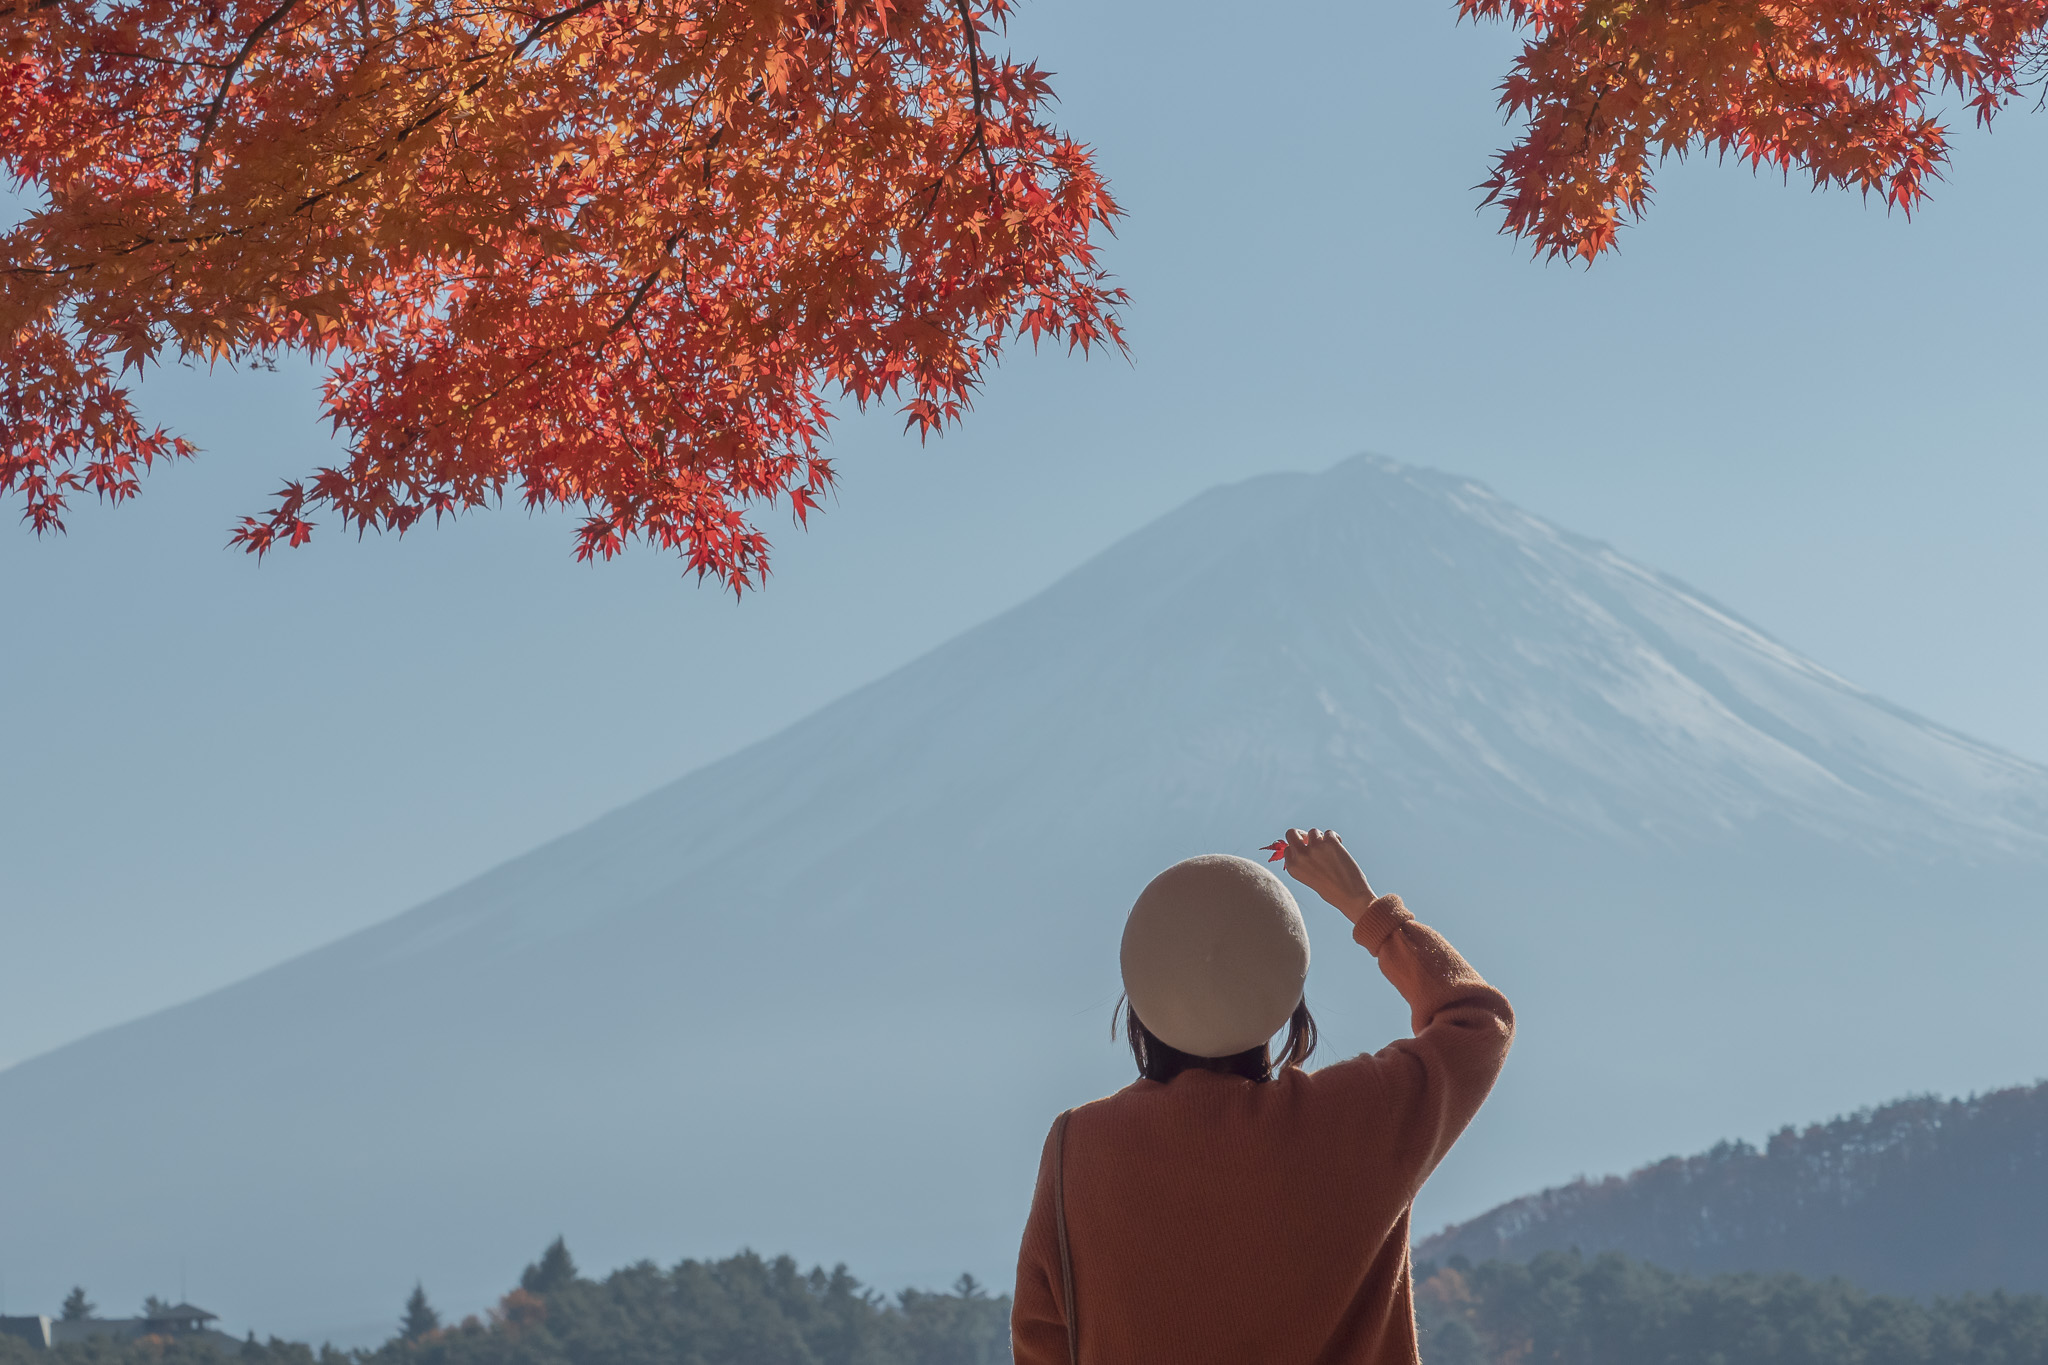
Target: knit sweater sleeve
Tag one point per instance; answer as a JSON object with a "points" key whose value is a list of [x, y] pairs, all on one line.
{"points": [[1038, 1322], [1434, 1082]]}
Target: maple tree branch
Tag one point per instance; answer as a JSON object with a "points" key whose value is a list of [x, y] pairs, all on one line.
{"points": [[540, 28], [640, 295], [552, 22], [403, 133], [160, 61], [931, 199], [626, 317], [988, 162], [139, 244], [227, 82], [710, 147], [2033, 68], [457, 291]]}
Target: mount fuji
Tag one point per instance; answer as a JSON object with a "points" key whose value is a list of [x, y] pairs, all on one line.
{"points": [[825, 995]]}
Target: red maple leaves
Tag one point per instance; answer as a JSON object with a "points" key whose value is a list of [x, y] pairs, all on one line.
{"points": [[1836, 88], [622, 255], [1278, 848], [617, 255]]}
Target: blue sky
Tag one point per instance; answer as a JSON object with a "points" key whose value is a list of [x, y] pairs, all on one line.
{"points": [[1823, 415]]}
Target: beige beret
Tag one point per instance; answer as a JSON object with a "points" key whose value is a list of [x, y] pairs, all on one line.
{"points": [[1215, 955]]}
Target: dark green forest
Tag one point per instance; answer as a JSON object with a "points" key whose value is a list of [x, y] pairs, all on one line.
{"points": [[1919, 1196], [1561, 1308], [744, 1310], [168, 1351]]}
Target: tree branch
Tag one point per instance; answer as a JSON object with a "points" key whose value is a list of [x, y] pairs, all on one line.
{"points": [[553, 22], [640, 295], [406, 130], [227, 82], [988, 162]]}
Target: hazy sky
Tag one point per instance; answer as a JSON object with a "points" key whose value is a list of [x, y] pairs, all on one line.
{"points": [[1823, 415]]}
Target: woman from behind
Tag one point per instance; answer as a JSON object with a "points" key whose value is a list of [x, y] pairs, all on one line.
{"points": [[1230, 1209]]}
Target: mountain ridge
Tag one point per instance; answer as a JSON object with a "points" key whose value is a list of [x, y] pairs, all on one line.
{"points": [[1919, 1195]]}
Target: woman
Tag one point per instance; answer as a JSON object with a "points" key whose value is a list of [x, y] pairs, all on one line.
{"points": [[1223, 1210]]}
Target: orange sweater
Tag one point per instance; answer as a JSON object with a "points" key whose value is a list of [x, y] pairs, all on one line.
{"points": [[1215, 1219]]}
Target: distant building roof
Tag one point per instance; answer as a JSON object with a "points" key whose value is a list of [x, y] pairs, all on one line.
{"points": [[178, 1320], [182, 1312], [35, 1330]]}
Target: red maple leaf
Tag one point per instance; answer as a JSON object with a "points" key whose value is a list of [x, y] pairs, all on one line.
{"points": [[1278, 848]]}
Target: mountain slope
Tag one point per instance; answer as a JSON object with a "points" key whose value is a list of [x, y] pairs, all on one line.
{"points": [[1921, 1196], [826, 993]]}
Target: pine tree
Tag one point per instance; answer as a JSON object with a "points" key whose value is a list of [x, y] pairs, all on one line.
{"points": [[553, 1271], [154, 1307], [77, 1307], [420, 1317]]}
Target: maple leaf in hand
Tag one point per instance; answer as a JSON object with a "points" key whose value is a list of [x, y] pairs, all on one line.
{"points": [[1278, 848]]}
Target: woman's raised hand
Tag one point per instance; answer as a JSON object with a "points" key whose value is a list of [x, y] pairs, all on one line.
{"points": [[1318, 860]]}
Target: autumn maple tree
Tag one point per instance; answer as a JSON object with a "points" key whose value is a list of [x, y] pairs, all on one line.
{"points": [[622, 255], [618, 255], [1839, 90]]}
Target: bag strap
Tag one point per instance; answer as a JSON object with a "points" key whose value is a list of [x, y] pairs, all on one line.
{"points": [[1059, 1211]]}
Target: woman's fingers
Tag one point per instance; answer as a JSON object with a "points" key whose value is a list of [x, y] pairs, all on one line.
{"points": [[1307, 853], [1306, 849], [1318, 859]]}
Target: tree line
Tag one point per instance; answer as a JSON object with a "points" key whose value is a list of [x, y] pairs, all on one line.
{"points": [[1560, 1308], [743, 1310], [1563, 1308]]}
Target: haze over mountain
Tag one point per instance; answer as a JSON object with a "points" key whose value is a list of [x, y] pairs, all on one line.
{"points": [[826, 994], [1919, 1196]]}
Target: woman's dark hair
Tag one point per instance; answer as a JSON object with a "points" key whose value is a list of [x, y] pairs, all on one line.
{"points": [[1158, 1061]]}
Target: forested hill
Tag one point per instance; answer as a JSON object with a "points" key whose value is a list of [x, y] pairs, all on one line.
{"points": [[1919, 1196], [1565, 1309]]}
